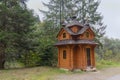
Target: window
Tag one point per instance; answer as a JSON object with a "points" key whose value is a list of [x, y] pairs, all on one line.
{"points": [[64, 35], [87, 34], [64, 54]]}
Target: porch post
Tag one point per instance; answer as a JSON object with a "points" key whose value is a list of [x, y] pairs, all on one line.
{"points": [[84, 57], [71, 58], [93, 52], [58, 57]]}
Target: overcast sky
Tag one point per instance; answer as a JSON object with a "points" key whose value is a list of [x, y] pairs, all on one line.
{"points": [[110, 9]]}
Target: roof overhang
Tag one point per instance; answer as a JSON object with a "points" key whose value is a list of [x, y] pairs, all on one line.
{"points": [[69, 42]]}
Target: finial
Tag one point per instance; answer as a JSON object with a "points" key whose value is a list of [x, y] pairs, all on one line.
{"points": [[73, 17], [63, 23]]}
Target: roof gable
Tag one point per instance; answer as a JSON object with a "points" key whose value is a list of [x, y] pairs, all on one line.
{"points": [[61, 31], [88, 28], [67, 30]]}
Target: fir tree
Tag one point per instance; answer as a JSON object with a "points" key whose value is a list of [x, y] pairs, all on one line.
{"points": [[15, 22]]}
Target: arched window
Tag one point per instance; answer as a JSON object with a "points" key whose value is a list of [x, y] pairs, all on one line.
{"points": [[64, 35], [64, 54], [87, 34]]}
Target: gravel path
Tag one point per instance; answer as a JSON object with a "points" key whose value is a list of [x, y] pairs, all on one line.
{"points": [[105, 74]]}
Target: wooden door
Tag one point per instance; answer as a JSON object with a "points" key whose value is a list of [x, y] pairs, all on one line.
{"points": [[88, 56]]}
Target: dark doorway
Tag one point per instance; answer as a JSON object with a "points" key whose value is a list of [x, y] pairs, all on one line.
{"points": [[76, 56], [88, 57]]}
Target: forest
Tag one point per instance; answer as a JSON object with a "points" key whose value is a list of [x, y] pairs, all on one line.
{"points": [[29, 42]]}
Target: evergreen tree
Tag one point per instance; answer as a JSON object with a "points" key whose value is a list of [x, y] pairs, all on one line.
{"points": [[45, 38], [15, 22]]}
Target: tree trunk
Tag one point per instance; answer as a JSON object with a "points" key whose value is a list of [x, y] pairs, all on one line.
{"points": [[2, 64], [2, 61], [2, 56]]}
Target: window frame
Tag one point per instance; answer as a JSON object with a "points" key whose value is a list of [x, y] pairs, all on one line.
{"points": [[87, 34]]}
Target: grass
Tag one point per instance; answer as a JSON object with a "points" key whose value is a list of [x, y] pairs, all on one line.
{"points": [[107, 64], [36, 73]]}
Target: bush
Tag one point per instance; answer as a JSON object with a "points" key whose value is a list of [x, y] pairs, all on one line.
{"points": [[30, 59]]}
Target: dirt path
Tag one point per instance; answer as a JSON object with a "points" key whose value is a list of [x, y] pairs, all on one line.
{"points": [[105, 74]]}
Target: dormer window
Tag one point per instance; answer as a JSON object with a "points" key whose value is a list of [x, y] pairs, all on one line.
{"points": [[87, 34], [64, 35]]}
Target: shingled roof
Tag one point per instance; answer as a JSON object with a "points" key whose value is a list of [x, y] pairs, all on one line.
{"points": [[64, 42], [74, 22]]}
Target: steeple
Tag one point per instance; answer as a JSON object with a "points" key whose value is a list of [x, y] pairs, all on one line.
{"points": [[73, 17]]}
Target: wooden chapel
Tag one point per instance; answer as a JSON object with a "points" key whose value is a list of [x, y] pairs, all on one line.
{"points": [[76, 46]]}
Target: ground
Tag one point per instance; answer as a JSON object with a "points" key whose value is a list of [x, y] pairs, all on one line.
{"points": [[105, 74], [48, 73]]}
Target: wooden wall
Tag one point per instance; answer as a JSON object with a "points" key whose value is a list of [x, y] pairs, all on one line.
{"points": [[64, 63], [76, 57]]}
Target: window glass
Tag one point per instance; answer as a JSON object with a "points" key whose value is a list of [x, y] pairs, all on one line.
{"points": [[64, 54], [87, 34], [64, 35]]}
